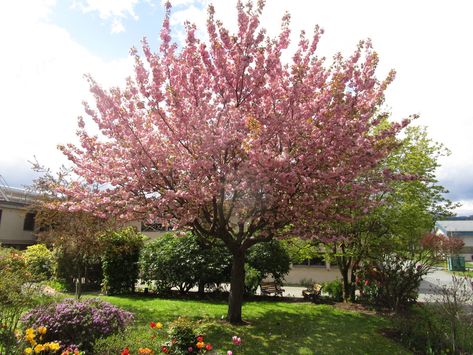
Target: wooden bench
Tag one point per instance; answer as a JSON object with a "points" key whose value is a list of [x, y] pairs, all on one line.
{"points": [[268, 288], [313, 293]]}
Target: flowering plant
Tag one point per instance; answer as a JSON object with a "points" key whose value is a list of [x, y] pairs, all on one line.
{"points": [[34, 338], [181, 340], [90, 318]]}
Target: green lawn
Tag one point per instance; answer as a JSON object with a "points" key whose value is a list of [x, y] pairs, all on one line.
{"points": [[274, 327]]}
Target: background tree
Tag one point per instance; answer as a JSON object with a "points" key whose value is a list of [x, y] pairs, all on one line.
{"points": [[226, 139], [74, 234], [406, 210]]}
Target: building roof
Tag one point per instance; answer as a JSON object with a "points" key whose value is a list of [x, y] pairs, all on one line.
{"points": [[15, 195], [455, 226]]}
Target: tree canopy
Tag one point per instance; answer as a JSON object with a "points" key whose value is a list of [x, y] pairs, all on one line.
{"points": [[225, 138]]}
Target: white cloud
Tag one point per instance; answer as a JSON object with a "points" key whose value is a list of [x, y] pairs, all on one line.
{"points": [[42, 88], [114, 10]]}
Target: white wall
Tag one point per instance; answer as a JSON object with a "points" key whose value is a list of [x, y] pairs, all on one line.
{"points": [[11, 226], [313, 274]]}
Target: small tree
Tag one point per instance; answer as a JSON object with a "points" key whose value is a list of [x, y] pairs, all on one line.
{"points": [[405, 209], [74, 234]]}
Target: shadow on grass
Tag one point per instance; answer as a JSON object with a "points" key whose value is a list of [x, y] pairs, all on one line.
{"points": [[273, 327], [313, 330]]}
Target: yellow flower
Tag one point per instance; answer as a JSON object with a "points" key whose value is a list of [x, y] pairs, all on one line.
{"points": [[42, 330], [46, 346], [54, 346], [28, 351], [38, 348], [30, 332], [159, 325]]}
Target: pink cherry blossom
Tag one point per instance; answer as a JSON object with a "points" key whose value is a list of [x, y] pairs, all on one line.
{"points": [[229, 140]]}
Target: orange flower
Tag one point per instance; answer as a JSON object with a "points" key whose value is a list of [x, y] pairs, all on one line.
{"points": [[200, 344], [145, 351]]}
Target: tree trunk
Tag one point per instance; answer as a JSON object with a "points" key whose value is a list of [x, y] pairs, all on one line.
{"points": [[346, 285], [237, 288], [201, 288]]}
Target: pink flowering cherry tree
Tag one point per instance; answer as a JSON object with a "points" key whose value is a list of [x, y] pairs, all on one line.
{"points": [[224, 138]]}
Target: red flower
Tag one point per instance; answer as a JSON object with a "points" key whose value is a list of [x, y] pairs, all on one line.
{"points": [[164, 349], [208, 347], [125, 351], [367, 282], [152, 324], [200, 338]]}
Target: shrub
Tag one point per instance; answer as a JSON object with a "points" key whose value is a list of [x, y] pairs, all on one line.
{"points": [[453, 305], [181, 336], [182, 262], [392, 281], [78, 323], [270, 259], [421, 330], [66, 271], [120, 260], [16, 295], [334, 289], [252, 279], [40, 262]]}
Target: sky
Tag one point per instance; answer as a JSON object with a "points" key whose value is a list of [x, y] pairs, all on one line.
{"points": [[48, 45]]}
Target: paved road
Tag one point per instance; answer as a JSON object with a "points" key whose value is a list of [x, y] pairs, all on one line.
{"points": [[428, 291]]}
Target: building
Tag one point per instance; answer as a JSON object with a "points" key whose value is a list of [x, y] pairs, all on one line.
{"points": [[462, 229], [17, 222]]}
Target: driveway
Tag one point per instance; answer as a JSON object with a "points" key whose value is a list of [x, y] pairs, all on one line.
{"points": [[431, 284]]}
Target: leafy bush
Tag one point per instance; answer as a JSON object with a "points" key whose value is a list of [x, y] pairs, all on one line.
{"points": [[270, 259], [182, 262], [252, 279], [392, 280], [264, 260], [421, 330], [181, 336], [454, 307], [121, 252], [40, 262], [67, 270], [334, 289], [16, 295], [78, 323]]}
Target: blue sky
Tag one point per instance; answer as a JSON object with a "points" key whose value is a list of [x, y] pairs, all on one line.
{"points": [[47, 46], [96, 33]]}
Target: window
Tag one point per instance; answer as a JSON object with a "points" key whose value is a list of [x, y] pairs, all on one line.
{"points": [[28, 225]]}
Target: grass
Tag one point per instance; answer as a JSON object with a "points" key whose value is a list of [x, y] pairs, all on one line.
{"points": [[274, 327]]}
